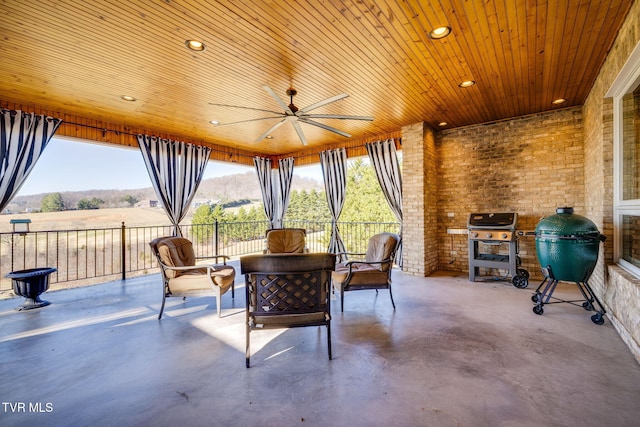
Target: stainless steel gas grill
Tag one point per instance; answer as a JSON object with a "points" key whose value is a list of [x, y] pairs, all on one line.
{"points": [[490, 230]]}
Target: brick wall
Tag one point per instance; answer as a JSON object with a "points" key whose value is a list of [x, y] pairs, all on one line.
{"points": [[618, 290], [529, 165]]}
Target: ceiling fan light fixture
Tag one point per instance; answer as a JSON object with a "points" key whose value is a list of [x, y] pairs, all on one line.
{"points": [[195, 45], [439, 32], [467, 83]]}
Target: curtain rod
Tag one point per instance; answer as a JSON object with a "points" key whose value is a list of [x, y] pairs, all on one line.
{"points": [[118, 132]]}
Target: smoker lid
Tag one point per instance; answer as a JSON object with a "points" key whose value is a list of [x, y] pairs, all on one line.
{"points": [[567, 225], [493, 220]]}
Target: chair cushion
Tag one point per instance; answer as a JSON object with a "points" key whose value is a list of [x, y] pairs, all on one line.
{"points": [[363, 274], [196, 280], [381, 247], [176, 252], [288, 320], [286, 241]]}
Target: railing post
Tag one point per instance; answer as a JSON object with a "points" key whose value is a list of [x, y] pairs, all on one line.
{"points": [[215, 233], [123, 251]]}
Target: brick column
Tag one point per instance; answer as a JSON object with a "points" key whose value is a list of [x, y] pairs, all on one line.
{"points": [[419, 200]]}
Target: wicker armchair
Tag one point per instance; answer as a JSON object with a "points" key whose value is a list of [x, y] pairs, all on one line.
{"points": [[287, 291], [372, 272], [181, 276], [286, 241]]}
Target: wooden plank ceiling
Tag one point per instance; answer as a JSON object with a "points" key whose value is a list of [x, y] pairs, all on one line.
{"points": [[78, 57]]}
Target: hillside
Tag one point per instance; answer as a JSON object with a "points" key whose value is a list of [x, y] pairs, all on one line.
{"points": [[228, 188]]}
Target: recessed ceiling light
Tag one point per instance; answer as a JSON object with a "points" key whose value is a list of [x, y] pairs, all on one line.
{"points": [[439, 33], [442, 124], [128, 98], [559, 101], [467, 83], [269, 136], [196, 45], [214, 122]]}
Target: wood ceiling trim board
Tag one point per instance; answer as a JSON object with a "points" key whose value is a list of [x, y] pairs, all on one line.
{"points": [[543, 29], [516, 9], [501, 72], [512, 51]]}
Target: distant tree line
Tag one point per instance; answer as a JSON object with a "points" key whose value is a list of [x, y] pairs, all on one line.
{"points": [[53, 202]]}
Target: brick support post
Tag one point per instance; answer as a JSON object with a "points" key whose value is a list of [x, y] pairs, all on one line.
{"points": [[419, 200]]}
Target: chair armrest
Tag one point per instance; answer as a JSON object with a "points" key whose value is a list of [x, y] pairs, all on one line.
{"points": [[189, 267], [351, 262], [216, 257]]}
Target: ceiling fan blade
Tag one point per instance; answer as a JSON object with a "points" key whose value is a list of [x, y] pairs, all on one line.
{"points": [[323, 126], [244, 108], [321, 103], [298, 129], [280, 102], [335, 116], [271, 129], [247, 121]]}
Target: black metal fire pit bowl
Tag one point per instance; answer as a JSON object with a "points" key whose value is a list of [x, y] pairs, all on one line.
{"points": [[30, 284]]}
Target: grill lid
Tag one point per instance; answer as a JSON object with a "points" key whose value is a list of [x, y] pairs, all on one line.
{"points": [[501, 220]]}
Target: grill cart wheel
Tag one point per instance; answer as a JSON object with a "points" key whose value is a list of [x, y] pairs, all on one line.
{"points": [[597, 319], [587, 306], [535, 298], [521, 280], [537, 309]]}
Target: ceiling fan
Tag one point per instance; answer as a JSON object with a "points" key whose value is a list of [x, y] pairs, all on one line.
{"points": [[295, 116]]}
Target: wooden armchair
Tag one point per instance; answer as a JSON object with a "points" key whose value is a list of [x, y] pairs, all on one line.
{"points": [[181, 276], [287, 291], [372, 272]]}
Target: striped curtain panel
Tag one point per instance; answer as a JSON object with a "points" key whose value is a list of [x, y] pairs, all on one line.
{"points": [[334, 171], [176, 169], [384, 159], [275, 198], [23, 138], [263, 169], [285, 176]]}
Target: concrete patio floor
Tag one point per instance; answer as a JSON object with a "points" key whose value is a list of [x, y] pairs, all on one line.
{"points": [[454, 353]]}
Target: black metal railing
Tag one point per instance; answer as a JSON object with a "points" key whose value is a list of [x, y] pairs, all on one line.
{"points": [[86, 256]]}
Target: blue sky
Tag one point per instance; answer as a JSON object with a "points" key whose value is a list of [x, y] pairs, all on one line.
{"points": [[73, 165]]}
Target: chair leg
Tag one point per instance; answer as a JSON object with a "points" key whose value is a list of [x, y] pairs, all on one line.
{"points": [[164, 298], [342, 299], [247, 351], [329, 339], [218, 302], [391, 295]]}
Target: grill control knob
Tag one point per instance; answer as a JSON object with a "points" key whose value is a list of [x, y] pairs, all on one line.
{"points": [[504, 235], [489, 235]]}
